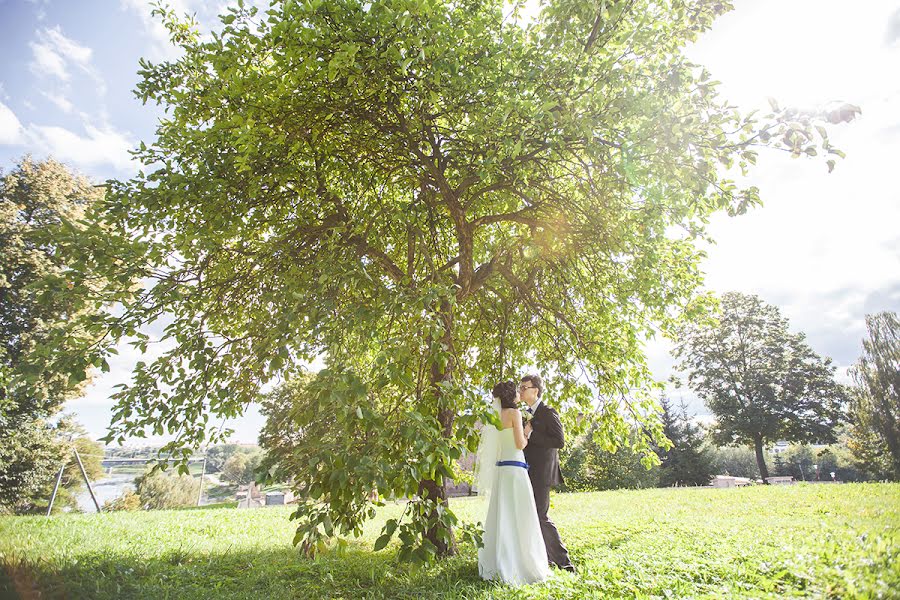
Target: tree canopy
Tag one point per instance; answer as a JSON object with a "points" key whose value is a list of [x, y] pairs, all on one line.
{"points": [[429, 195], [42, 204], [762, 382], [38, 199]]}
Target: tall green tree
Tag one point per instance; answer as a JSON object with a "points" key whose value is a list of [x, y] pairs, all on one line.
{"points": [[429, 195], [38, 200], [41, 206], [688, 461], [762, 382], [875, 399]]}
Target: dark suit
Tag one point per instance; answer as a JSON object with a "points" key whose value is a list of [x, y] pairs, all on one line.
{"points": [[542, 455]]}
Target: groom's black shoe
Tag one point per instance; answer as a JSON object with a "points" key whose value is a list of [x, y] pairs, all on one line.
{"points": [[569, 567]]}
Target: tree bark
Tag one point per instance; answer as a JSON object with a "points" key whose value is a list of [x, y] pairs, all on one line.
{"points": [[436, 489], [760, 458]]}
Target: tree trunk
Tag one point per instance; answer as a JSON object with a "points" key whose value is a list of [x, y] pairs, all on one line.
{"points": [[760, 458], [436, 489]]}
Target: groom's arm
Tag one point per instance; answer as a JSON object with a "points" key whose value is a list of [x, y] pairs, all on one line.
{"points": [[550, 432]]}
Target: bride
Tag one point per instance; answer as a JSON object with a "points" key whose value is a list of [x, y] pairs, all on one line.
{"points": [[513, 550]]}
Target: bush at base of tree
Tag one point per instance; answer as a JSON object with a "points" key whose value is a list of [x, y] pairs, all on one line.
{"points": [[166, 489], [127, 501], [586, 466]]}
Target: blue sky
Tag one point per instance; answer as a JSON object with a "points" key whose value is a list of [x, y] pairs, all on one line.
{"points": [[824, 248]]}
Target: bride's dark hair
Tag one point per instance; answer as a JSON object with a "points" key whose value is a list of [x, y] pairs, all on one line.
{"points": [[506, 392]]}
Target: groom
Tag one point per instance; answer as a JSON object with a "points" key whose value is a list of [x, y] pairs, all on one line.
{"points": [[545, 436]]}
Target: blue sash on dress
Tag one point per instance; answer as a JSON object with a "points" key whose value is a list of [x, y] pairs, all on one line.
{"points": [[512, 463]]}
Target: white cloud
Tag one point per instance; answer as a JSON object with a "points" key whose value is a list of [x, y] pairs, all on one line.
{"points": [[10, 127], [100, 146], [53, 53], [61, 102], [47, 62]]}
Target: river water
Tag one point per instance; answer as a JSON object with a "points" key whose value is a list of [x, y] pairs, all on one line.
{"points": [[108, 488]]}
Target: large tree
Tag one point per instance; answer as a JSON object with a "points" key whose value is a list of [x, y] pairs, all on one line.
{"points": [[875, 400], [41, 204], [39, 201], [429, 195], [762, 382]]}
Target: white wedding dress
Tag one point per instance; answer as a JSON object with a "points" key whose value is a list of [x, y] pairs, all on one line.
{"points": [[513, 549]]}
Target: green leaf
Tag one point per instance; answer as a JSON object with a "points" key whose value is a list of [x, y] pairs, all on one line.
{"points": [[381, 542]]}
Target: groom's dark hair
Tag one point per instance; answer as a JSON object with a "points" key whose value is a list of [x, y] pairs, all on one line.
{"points": [[506, 392], [535, 380]]}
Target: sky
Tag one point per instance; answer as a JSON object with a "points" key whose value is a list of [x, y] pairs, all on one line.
{"points": [[824, 248]]}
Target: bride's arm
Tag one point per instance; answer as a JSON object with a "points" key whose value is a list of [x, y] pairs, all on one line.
{"points": [[518, 432]]}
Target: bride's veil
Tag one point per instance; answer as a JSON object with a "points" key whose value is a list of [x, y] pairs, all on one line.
{"points": [[488, 455]]}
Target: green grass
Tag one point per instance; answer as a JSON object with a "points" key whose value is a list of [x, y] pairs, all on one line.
{"points": [[806, 540]]}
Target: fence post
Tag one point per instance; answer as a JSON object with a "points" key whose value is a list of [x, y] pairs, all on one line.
{"points": [[202, 473], [86, 480], [56, 488]]}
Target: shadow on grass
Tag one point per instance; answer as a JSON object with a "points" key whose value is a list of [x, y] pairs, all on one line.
{"points": [[281, 573]]}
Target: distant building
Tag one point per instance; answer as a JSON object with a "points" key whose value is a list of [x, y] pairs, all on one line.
{"points": [[727, 481], [779, 447]]}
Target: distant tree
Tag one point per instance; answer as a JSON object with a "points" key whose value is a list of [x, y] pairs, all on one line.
{"points": [[736, 461], [218, 454], [688, 461], [762, 382], [875, 399], [800, 460], [72, 482], [166, 489], [235, 469], [240, 468], [287, 445], [587, 465], [41, 205]]}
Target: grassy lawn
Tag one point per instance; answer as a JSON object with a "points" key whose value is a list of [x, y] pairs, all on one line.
{"points": [[806, 540]]}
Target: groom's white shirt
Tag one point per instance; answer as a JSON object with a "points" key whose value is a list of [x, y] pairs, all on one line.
{"points": [[534, 406]]}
